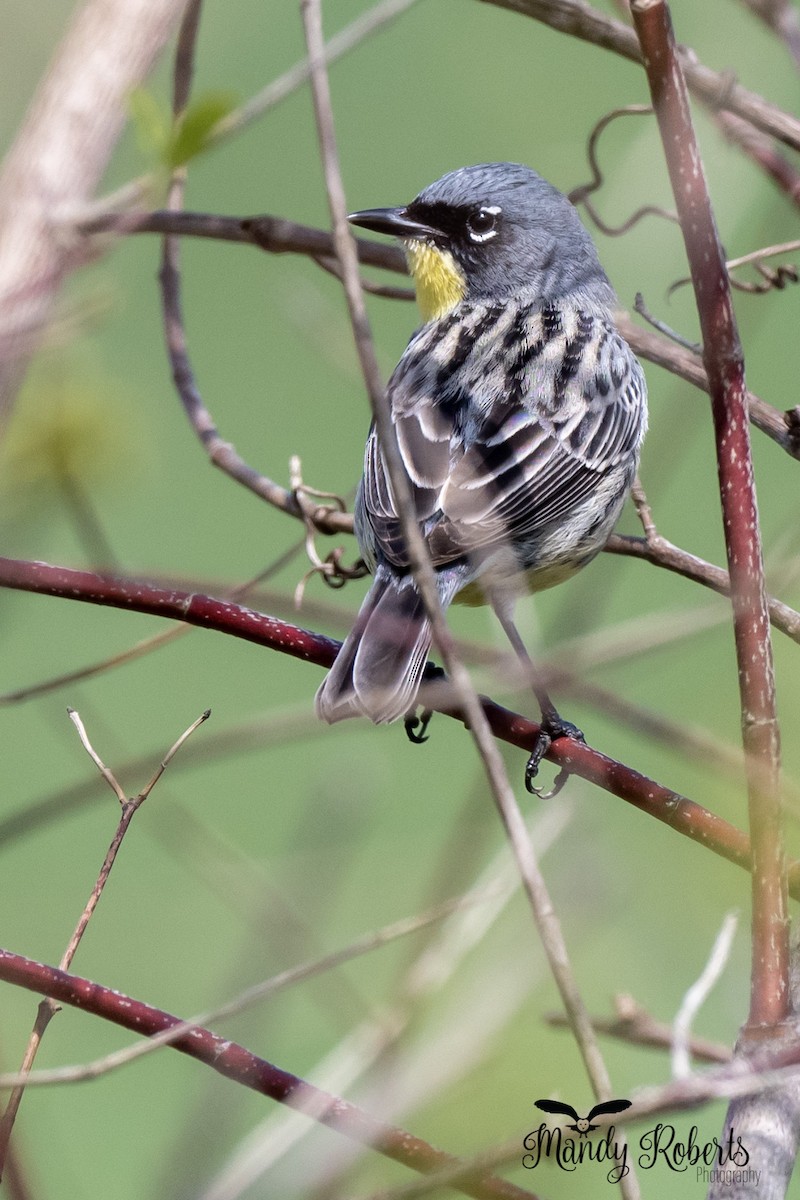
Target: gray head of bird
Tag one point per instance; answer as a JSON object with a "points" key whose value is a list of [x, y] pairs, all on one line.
{"points": [[491, 232]]}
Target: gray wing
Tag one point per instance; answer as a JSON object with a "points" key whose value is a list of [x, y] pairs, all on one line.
{"points": [[507, 419]]}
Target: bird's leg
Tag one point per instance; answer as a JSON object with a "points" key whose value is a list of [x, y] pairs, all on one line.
{"points": [[416, 727], [552, 725]]}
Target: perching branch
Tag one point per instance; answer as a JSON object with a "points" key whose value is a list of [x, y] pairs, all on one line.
{"points": [[681, 814]]}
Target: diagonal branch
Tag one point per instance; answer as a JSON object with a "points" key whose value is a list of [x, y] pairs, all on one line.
{"points": [[580, 20], [277, 235], [681, 814], [48, 1007], [240, 1065]]}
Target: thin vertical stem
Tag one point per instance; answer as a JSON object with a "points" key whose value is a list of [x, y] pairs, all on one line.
{"points": [[724, 363]]}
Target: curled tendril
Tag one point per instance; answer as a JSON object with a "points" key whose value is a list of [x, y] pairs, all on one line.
{"points": [[333, 571], [580, 194], [774, 278]]}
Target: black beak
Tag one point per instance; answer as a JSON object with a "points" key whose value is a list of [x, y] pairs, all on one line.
{"points": [[394, 221]]}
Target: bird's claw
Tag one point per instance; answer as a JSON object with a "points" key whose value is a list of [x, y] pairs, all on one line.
{"points": [[417, 727], [549, 731]]}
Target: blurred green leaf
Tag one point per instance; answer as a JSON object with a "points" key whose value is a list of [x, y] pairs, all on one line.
{"points": [[151, 122], [191, 134]]}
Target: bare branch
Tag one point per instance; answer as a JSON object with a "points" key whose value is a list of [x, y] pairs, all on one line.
{"points": [[775, 424], [724, 365], [48, 1007], [578, 19], [681, 814], [60, 155], [697, 995], [235, 1062], [221, 453], [95, 757], [635, 1025], [663, 553]]}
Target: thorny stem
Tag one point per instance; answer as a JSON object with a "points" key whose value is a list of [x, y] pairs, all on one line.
{"points": [[722, 356]]}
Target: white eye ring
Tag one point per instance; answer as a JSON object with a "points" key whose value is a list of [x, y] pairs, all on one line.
{"points": [[481, 226]]}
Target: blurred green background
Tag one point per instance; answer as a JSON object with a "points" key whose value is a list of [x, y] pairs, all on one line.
{"points": [[271, 841]]}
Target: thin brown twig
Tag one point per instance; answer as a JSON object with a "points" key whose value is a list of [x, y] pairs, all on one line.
{"points": [[723, 360], [762, 151], [633, 1024], [578, 19], [640, 307], [783, 19], [679, 361], [775, 278], [580, 194], [222, 454], [277, 235], [532, 879], [48, 1007], [663, 553]]}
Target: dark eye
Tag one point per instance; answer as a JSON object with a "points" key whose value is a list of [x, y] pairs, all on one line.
{"points": [[482, 224]]}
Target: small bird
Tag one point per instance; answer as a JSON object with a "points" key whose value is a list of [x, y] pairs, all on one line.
{"points": [[520, 413]]}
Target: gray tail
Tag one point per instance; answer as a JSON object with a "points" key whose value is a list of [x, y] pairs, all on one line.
{"points": [[378, 670]]}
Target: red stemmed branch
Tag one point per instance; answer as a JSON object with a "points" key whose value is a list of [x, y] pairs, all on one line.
{"points": [[680, 813], [237, 1063], [241, 1066], [724, 363]]}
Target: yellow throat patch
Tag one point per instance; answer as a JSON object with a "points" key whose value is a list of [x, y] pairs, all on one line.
{"points": [[440, 284]]}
